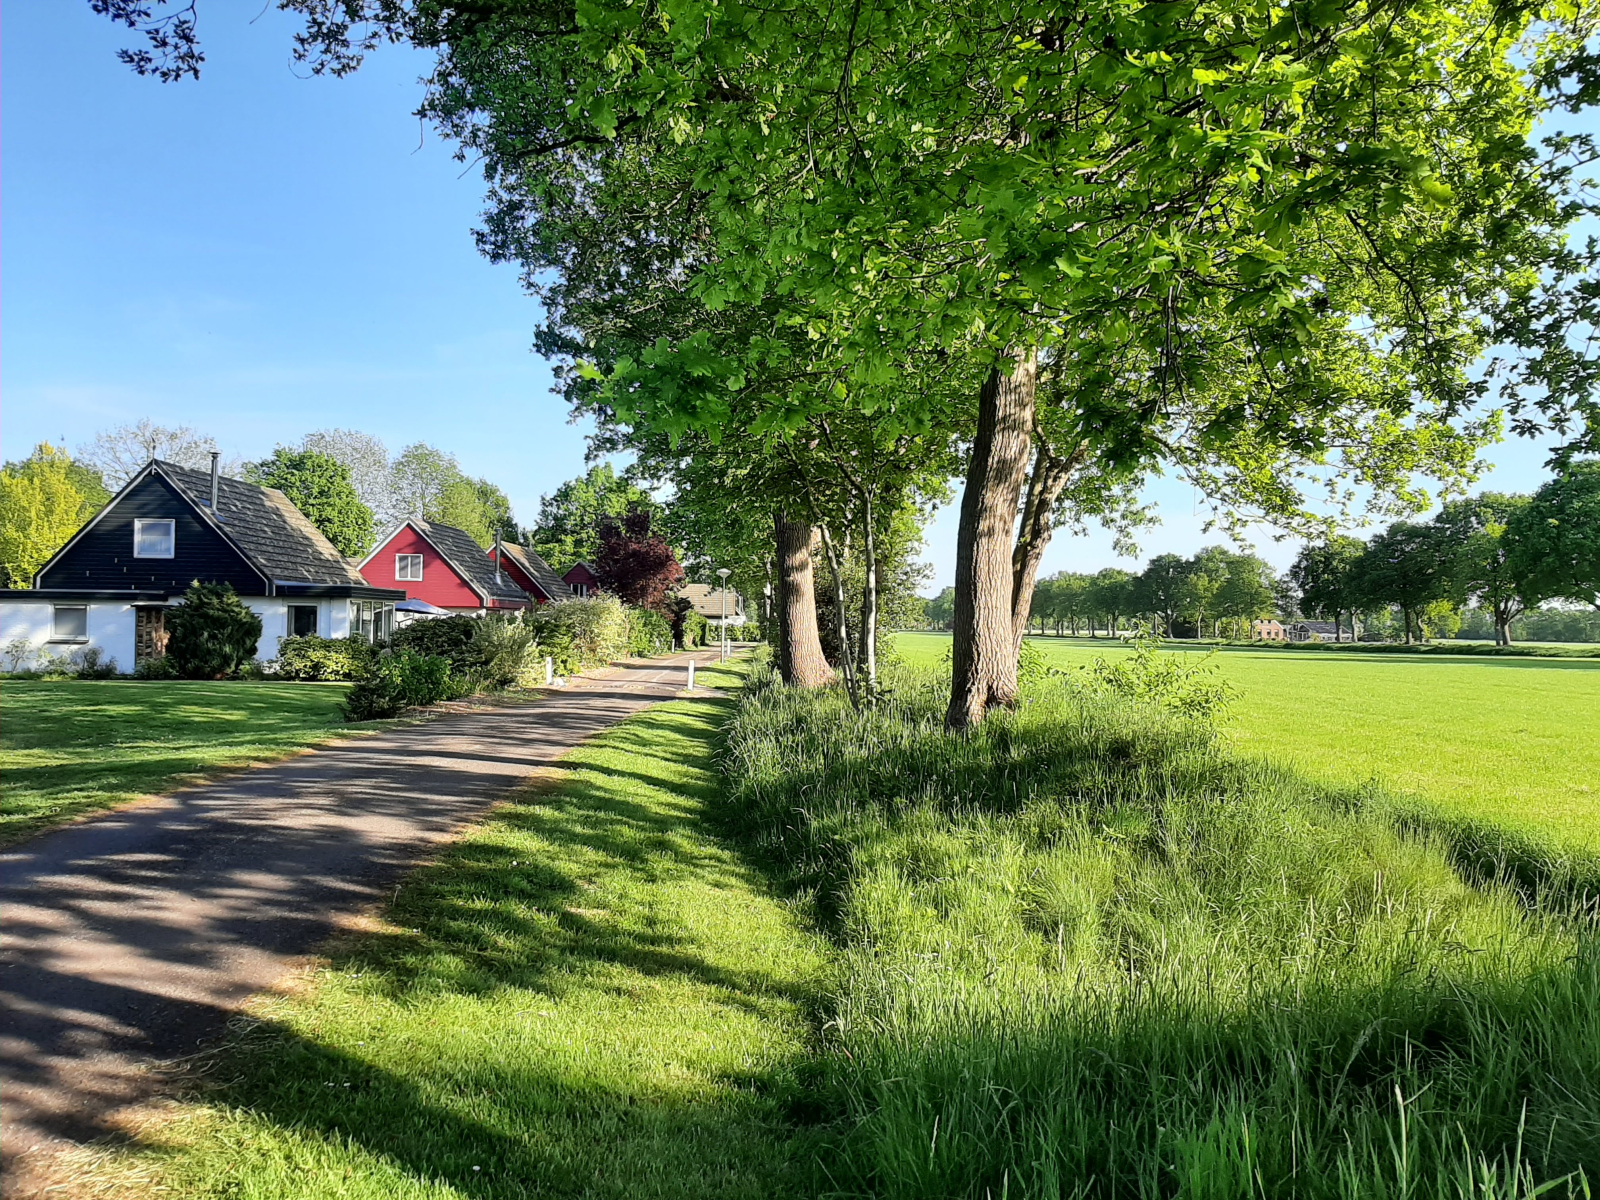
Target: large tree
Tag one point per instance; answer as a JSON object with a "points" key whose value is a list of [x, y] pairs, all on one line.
{"points": [[1324, 578], [634, 562], [567, 531], [1484, 567], [119, 453], [1247, 239], [1408, 565], [40, 509], [319, 486], [1556, 538]]}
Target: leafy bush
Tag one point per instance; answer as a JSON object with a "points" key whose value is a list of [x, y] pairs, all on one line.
{"points": [[485, 653], [311, 658], [93, 663], [582, 633], [211, 634], [397, 681], [156, 668], [692, 628], [648, 633], [1147, 676]]}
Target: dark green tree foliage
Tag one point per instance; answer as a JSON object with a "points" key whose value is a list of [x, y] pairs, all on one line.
{"points": [[211, 634], [1483, 569], [939, 610], [396, 682], [1162, 589], [1409, 566], [1323, 576], [568, 529], [320, 487], [1557, 537]]}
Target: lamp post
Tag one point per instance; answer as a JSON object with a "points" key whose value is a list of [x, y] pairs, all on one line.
{"points": [[722, 574]]}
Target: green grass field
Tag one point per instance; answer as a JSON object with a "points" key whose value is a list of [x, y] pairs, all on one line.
{"points": [[68, 748], [588, 995], [1510, 741]]}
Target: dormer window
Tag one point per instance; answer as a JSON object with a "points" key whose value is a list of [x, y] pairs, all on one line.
{"points": [[408, 568], [153, 539]]}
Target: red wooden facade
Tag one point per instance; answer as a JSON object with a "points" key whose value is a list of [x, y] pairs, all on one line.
{"points": [[441, 583], [514, 572], [582, 580]]}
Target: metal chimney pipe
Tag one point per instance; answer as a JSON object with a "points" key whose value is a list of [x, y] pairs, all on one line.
{"points": [[497, 553], [215, 472]]}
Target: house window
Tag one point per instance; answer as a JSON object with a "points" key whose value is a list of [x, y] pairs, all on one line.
{"points": [[71, 623], [302, 620], [580, 589], [408, 568], [152, 539]]}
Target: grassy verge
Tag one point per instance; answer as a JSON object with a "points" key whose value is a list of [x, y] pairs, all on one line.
{"points": [[1090, 951], [1508, 742], [68, 748], [589, 995]]}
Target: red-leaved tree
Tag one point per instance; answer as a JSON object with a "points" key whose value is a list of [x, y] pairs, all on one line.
{"points": [[636, 565]]}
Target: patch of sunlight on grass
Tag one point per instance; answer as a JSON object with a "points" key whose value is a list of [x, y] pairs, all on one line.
{"points": [[1513, 741], [72, 747]]}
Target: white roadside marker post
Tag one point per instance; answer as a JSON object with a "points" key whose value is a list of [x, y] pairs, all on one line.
{"points": [[549, 671], [691, 674]]}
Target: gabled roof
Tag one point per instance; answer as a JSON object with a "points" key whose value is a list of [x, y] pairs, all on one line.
{"points": [[707, 600], [541, 572], [463, 555], [266, 526]]}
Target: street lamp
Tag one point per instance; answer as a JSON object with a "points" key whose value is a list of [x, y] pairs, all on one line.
{"points": [[722, 574]]}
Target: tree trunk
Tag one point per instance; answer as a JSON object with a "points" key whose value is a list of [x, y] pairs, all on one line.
{"points": [[1045, 483], [800, 656], [984, 642], [847, 651], [868, 656]]}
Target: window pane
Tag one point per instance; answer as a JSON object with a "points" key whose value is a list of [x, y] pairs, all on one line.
{"points": [[302, 620], [71, 623], [152, 539]]}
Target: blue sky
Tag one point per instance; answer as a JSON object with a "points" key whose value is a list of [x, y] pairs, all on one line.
{"points": [[260, 254]]}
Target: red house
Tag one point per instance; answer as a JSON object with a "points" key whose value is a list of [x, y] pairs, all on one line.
{"points": [[444, 566], [581, 580], [523, 566]]}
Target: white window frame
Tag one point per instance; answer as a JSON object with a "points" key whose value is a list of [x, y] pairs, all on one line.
{"points": [[406, 558], [581, 590], [55, 624], [138, 536]]}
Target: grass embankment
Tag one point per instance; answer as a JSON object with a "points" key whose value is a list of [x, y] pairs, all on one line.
{"points": [[68, 748], [1091, 952], [588, 996], [1515, 742]]}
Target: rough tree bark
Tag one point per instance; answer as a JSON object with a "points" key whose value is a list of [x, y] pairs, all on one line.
{"points": [[983, 641], [800, 658], [868, 653], [841, 626], [1045, 483]]}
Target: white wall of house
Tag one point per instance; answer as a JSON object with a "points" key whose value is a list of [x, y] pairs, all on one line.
{"points": [[333, 620], [27, 632]]}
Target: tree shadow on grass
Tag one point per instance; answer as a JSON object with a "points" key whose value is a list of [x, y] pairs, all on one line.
{"points": [[569, 892]]}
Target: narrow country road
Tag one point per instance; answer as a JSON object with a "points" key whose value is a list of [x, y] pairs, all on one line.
{"points": [[131, 938]]}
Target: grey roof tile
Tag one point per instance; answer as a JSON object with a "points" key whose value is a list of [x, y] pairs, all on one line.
{"points": [[469, 560], [266, 525], [539, 571]]}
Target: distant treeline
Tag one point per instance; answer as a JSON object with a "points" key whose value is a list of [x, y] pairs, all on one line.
{"points": [[1488, 566]]}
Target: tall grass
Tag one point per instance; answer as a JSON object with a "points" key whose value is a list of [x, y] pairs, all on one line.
{"points": [[1090, 952]]}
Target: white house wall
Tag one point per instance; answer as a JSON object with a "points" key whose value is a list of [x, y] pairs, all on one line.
{"points": [[31, 622]]}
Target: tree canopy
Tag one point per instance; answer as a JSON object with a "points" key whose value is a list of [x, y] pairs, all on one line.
{"points": [[320, 487]]}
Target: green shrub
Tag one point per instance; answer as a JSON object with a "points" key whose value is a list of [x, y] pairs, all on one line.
{"points": [[692, 629], [93, 663], [311, 659], [582, 633], [1087, 950], [156, 668], [649, 633], [485, 653], [211, 634], [399, 680]]}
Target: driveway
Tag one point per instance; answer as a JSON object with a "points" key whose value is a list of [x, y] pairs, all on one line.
{"points": [[130, 939]]}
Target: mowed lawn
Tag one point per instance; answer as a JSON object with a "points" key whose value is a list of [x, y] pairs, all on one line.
{"points": [[73, 747], [588, 995], [1513, 741]]}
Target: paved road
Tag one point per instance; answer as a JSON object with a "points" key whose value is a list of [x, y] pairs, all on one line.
{"points": [[131, 938]]}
